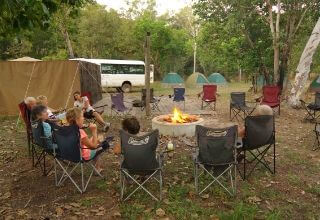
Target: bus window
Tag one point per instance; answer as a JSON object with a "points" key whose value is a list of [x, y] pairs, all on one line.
{"points": [[123, 69], [108, 69], [137, 69]]}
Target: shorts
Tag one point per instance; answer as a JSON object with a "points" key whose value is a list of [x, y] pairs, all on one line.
{"points": [[89, 114]]}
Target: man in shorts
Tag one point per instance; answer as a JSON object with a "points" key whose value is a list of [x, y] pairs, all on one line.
{"points": [[88, 110]]}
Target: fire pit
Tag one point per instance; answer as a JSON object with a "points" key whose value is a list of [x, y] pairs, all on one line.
{"points": [[177, 124]]}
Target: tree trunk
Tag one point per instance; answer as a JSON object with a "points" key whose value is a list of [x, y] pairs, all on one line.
{"points": [[68, 42], [194, 57], [303, 68], [283, 69]]}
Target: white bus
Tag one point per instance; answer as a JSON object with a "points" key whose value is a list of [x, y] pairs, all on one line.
{"points": [[123, 74]]}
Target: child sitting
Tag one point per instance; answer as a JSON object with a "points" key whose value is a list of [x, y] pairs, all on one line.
{"points": [[90, 147], [40, 113], [43, 100], [130, 125]]}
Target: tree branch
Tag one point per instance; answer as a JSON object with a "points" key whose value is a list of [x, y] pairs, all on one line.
{"points": [[300, 20], [270, 18], [278, 21]]}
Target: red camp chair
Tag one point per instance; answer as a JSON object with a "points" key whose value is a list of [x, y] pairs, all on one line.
{"points": [[25, 115], [209, 96], [88, 94], [271, 97]]}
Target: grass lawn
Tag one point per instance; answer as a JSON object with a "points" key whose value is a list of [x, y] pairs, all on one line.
{"points": [[292, 193]]}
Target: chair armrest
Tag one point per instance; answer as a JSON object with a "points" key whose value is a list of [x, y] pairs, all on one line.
{"points": [[259, 99], [303, 102], [101, 106], [239, 144]]}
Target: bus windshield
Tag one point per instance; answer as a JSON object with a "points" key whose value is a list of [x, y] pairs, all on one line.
{"points": [[122, 69]]}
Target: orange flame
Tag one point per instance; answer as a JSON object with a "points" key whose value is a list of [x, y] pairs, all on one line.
{"points": [[178, 117]]}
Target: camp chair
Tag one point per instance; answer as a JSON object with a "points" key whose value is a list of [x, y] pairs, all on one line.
{"points": [[216, 157], [69, 158], [271, 97], [154, 101], [316, 145], [140, 160], [118, 106], [26, 116], [239, 107], [258, 140], [178, 96], [42, 146], [209, 97], [312, 108]]}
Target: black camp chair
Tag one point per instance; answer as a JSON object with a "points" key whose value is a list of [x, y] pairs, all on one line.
{"points": [[68, 141], [316, 145], [140, 159], [216, 156], [154, 101], [259, 139], [312, 109], [41, 147], [239, 107]]}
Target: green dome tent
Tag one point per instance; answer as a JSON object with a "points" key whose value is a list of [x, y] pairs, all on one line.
{"points": [[217, 79], [315, 85], [172, 79], [196, 80]]}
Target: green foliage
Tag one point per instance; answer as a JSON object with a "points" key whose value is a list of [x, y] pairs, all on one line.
{"points": [[246, 23], [230, 35], [17, 15], [169, 46]]}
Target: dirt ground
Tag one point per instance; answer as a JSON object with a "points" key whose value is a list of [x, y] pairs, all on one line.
{"points": [[292, 193]]}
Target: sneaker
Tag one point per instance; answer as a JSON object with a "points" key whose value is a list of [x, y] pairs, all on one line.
{"points": [[106, 127]]}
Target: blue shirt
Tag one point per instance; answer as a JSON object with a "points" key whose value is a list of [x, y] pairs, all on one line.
{"points": [[47, 130]]}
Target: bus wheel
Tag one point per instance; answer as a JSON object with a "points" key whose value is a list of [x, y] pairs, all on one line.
{"points": [[126, 87]]}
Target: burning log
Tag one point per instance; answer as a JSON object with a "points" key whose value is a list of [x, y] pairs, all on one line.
{"points": [[179, 117]]}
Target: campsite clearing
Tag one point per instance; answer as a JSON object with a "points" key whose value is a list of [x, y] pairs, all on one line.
{"points": [[293, 193]]}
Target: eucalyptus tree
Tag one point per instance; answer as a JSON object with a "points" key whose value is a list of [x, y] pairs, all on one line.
{"points": [[283, 19]]}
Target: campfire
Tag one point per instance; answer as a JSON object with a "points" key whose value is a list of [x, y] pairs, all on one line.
{"points": [[180, 118]]}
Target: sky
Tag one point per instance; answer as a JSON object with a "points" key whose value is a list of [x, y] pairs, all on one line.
{"points": [[162, 5]]}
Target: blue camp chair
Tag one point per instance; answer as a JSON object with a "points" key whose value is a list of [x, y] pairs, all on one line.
{"points": [[69, 157], [178, 96]]}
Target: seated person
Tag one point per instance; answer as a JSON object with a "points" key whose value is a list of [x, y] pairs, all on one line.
{"points": [[260, 110], [90, 147], [40, 113], [30, 103], [43, 100], [25, 109], [89, 112], [130, 125]]}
